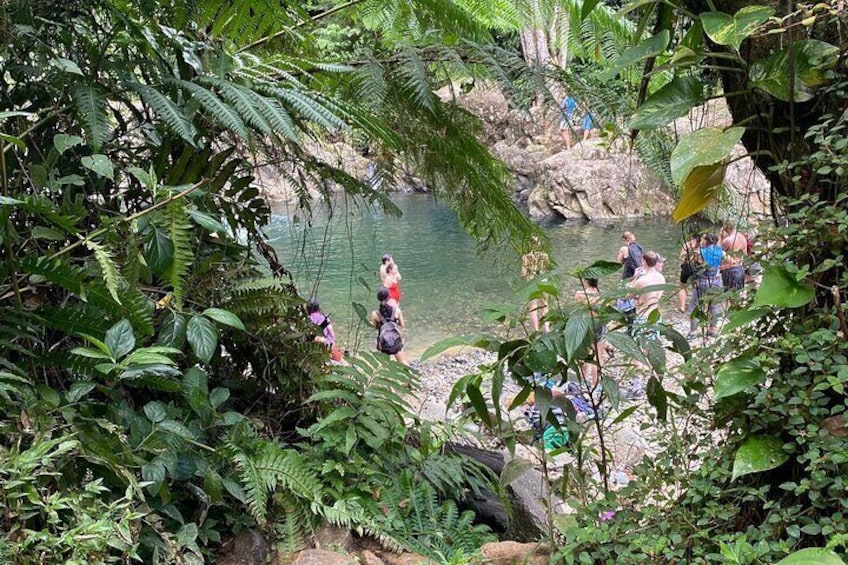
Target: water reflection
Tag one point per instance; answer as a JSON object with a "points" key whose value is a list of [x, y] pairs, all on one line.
{"points": [[445, 283]]}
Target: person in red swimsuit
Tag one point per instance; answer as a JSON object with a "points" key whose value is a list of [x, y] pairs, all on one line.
{"points": [[392, 282]]}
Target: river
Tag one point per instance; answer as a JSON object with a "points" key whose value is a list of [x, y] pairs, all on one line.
{"points": [[446, 284]]}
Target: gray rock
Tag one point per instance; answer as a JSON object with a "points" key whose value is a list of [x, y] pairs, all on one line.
{"points": [[323, 557], [333, 538]]}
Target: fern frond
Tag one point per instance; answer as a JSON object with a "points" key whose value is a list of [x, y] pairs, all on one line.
{"points": [[56, 271], [415, 78], [170, 114], [288, 470], [111, 277], [309, 106], [240, 99], [181, 234], [215, 108], [292, 523], [91, 104]]}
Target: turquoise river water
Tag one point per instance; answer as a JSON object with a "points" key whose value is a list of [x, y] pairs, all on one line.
{"points": [[446, 284]]}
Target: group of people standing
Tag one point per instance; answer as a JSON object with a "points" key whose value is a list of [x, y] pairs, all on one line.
{"points": [[710, 263], [387, 318], [567, 123]]}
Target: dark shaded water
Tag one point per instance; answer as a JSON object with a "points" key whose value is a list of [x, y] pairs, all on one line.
{"points": [[445, 283]]}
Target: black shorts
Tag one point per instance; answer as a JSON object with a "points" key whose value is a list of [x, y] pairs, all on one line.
{"points": [[733, 278], [686, 273]]}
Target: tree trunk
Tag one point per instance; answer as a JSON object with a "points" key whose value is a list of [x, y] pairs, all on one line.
{"points": [[775, 130]]}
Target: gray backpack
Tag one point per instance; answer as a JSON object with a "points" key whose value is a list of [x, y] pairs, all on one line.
{"points": [[389, 338]]}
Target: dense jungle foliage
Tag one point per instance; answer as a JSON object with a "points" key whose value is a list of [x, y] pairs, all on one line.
{"points": [[751, 455], [159, 385]]}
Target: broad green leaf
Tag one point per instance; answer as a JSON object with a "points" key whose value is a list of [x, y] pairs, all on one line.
{"points": [[725, 29], [196, 391], [513, 469], [202, 337], [540, 359], [62, 142], [79, 389], [648, 48], [208, 222], [657, 397], [445, 344], [699, 190], [7, 201], [624, 414], [706, 146], [576, 332], [479, 404], [173, 331], [224, 317], [99, 164], [635, 5], [810, 59], [153, 473], [144, 357], [13, 140], [120, 339], [48, 234], [758, 454], [155, 411], [146, 178], [89, 352], [781, 289], [50, 396], [679, 343], [598, 270], [67, 66], [176, 428], [187, 534], [744, 317], [155, 371], [812, 556], [158, 249], [672, 101], [218, 396], [738, 375], [588, 6]]}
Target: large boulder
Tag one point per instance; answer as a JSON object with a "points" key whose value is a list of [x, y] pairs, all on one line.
{"points": [[589, 183]]}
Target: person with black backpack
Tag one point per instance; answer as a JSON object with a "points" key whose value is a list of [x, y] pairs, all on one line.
{"points": [[387, 319], [629, 255]]}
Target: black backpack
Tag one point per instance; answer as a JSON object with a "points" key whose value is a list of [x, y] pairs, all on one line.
{"points": [[389, 338], [633, 261]]}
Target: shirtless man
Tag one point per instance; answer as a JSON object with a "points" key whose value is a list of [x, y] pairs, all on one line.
{"points": [[647, 301], [735, 246]]}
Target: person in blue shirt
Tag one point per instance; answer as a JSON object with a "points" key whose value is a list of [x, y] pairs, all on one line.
{"points": [[568, 107], [588, 125], [708, 277]]}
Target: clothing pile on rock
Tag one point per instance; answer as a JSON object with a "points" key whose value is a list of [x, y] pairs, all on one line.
{"points": [[555, 437]]}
